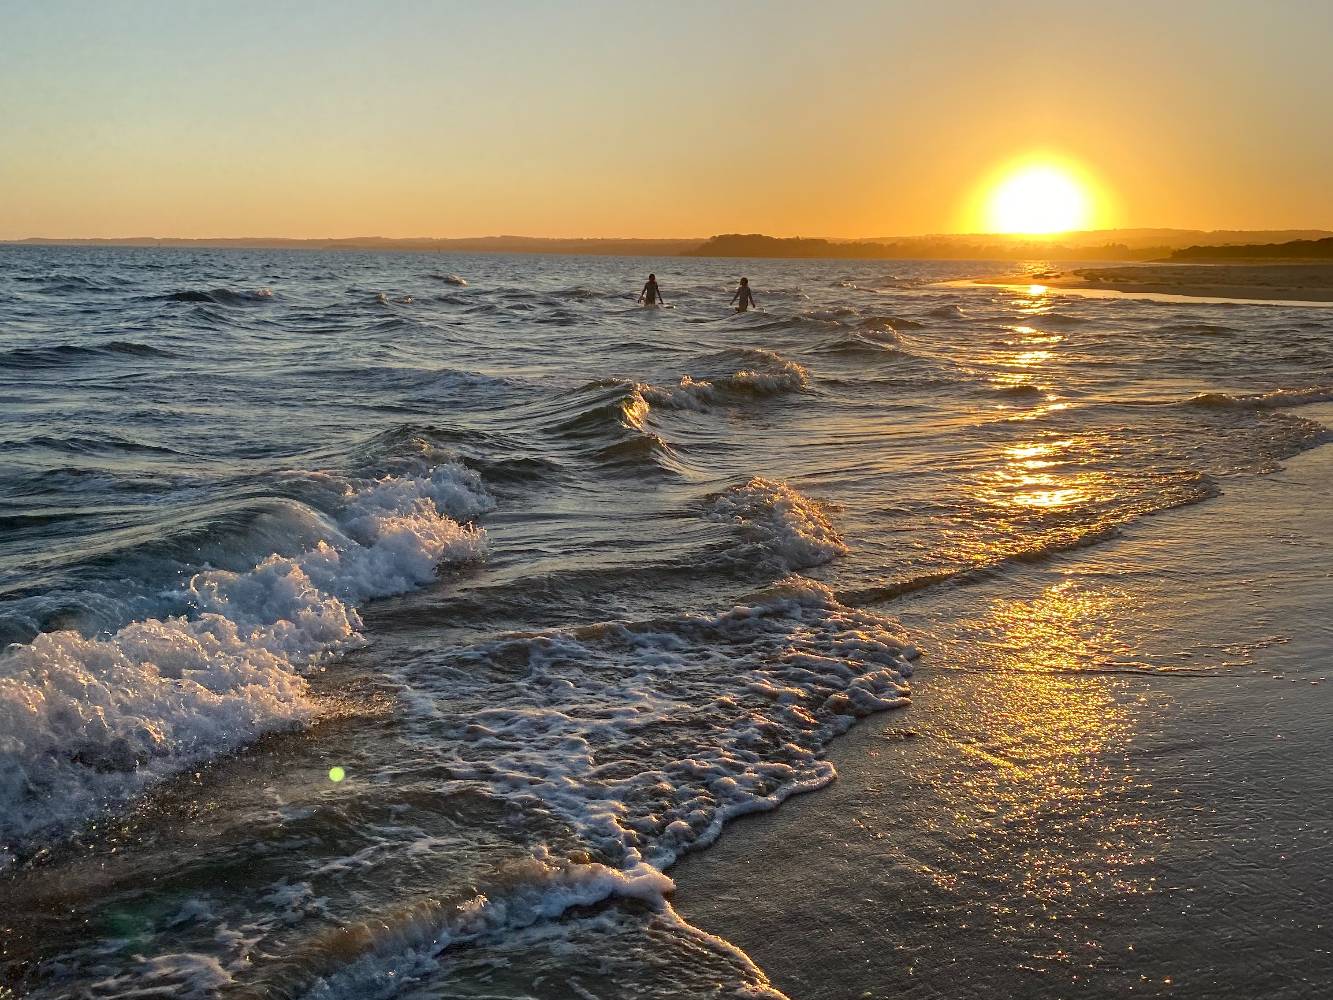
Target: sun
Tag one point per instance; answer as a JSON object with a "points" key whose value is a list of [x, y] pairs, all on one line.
{"points": [[1039, 198]]}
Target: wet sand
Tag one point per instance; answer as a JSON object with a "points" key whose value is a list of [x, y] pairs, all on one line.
{"points": [[1306, 282], [1113, 781]]}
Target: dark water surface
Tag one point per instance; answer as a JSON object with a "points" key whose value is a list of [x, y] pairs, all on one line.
{"points": [[557, 583]]}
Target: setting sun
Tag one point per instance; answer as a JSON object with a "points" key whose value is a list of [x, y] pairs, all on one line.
{"points": [[1039, 198]]}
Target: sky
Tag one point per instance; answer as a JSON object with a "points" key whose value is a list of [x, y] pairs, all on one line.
{"points": [[673, 119]]}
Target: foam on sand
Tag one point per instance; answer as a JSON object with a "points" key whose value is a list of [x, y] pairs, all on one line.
{"points": [[643, 738]]}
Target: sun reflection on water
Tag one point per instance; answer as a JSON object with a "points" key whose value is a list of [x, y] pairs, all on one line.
{"points": [[1039, 475], [1029, 358], [1044, 796]]}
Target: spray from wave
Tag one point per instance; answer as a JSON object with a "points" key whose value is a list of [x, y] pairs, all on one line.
{"points": [[86, 723], [775, 523]]}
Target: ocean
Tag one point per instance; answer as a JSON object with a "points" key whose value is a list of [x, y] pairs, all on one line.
{"points": [[388, 625]]}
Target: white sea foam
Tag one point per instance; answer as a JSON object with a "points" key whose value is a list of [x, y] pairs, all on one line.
{"points": [[87, 722], [780, 523], [409, 946], [187, 975], [644, 738], [782, 376]]}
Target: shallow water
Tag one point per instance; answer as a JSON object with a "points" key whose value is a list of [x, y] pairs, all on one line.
{"points": [[1110, 782], [561, 584]]}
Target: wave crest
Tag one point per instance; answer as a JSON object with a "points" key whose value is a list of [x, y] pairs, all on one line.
{"points": [[780, 523], [1277, 399], [219, 296], [89, 722], [66, 354]]}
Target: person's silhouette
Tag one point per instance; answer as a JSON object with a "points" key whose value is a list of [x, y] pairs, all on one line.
{"points": [[651, 295], [744, 298]]}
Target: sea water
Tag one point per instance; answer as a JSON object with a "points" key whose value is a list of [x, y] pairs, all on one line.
{"points": [[388, 624]]}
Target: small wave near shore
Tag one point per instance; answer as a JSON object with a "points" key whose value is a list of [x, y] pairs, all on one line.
{"points": [[91, 721]]}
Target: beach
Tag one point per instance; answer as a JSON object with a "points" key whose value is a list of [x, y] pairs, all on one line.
{"points": [[1102, 787], [1255, 281]]}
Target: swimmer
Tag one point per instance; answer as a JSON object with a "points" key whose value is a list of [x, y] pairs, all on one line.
{"points": [[744, 298], [651, 295]]}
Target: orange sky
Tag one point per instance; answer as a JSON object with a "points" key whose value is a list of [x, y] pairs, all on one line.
{"points": [[598, 119]]}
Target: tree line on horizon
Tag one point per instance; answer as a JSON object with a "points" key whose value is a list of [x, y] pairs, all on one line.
{"points": [[1133, 245]]}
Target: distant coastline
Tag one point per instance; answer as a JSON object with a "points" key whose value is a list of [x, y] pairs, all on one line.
{"points": [[1312, 249], [1096, 245], [479, 244], [1262, 281]]}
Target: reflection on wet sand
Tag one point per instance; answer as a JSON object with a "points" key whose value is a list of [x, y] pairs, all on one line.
{"points": [[1045, 760]]}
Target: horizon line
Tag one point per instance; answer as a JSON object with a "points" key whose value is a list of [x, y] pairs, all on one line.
{"points": [[1031, 237]]}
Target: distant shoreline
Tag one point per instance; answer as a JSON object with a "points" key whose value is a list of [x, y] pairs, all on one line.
{"points": [[1267, 281], [1110, 245], [496, 244]]}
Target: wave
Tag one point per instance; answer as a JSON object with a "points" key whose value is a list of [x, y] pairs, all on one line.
{"points": [[451, 279], [648, 737], [1057, 320], [219, 296], [500, 459], [889, 323], [612, 417], [90, 722], [91, 444], [610, 403], [1277, 399], [610, 426], [747, 384], [778, 524], [1025, 390], [1194, 489], [1199, 328], [829, 313], [582, 293], [861, 344], [65, 354]]}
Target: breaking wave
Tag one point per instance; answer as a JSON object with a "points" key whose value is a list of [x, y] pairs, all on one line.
{"points": [[90, 722], [776, 523], [767, 373]]}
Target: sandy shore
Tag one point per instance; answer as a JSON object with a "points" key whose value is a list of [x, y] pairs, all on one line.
{"points": [[1312, 282], [1112, 781]]}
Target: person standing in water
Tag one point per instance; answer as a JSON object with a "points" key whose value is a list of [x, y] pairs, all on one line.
{"points": [[744, 298], [651, 295]]}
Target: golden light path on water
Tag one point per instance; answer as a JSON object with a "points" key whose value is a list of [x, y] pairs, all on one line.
{"points": [[1031, 477], [1052, 753], [1052, 741]]}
